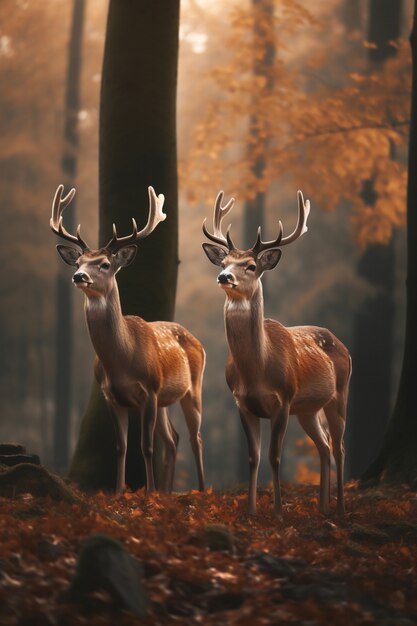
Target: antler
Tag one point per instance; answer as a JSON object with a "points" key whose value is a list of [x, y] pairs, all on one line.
{"points": [[156, 215], [58, 205], [218, 216], [260, 245], [300, 229]]}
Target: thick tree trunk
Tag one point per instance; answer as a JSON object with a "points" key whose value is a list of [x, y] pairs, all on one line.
{"points": [[397, 458], [137, 149], [374, 324], [64, 325]]}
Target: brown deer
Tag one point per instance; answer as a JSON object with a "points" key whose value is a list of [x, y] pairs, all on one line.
{"points": [[146, 366], [274, 371]]}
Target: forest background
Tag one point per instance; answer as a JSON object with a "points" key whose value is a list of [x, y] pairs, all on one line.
{"points": [[272, 97]]}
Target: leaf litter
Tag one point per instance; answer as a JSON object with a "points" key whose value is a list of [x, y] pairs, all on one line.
{"points": [[202, 559]]}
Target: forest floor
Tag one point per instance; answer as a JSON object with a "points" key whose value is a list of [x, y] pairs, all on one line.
{"points": [[205, 561]]}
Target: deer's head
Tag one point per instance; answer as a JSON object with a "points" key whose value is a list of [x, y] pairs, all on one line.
{"points": [[242, 269], [96, 269]]}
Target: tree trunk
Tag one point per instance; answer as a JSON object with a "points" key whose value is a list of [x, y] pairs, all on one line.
{"points": [[254, 209], [397, 459], [64, 325], [374, 322], [137, 149]]}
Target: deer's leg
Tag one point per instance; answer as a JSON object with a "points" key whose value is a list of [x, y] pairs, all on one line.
{"points": [[312, 426], [191, 407], [336, 414], [252, 428], [147, 435], [121, 423], [279, 423], [166, 431]]}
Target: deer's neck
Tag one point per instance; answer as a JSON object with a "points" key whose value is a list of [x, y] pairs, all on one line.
{"points": [[108, 329], [244, 321]]}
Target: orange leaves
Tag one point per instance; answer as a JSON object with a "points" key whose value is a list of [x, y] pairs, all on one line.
{"points": [[206, 561], [307, 114]]}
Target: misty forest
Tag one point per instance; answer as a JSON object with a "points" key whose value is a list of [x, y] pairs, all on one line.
{"points": [[134, 488]]}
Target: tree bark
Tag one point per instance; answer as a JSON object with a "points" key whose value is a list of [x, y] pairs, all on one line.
{"points": [[137, 149], [397, 459], [64, 322], [374, 322]]}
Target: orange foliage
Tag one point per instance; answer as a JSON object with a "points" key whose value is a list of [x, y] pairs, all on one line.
{"points": [[303, 568], [312, 121], [305, 475]]}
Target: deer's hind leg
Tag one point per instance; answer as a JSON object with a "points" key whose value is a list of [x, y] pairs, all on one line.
{"points": [[191, 406], [312, 426], [335, 413], [170, 437]]}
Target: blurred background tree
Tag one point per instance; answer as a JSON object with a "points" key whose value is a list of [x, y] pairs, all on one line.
{"points": [[64, 319], [325, 122]]}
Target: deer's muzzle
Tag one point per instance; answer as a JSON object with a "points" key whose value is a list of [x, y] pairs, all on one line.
{"points": [[80, 278]]}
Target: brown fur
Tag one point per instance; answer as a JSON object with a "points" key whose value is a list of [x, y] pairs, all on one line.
{"points": [[145, 366], [274, 371]]}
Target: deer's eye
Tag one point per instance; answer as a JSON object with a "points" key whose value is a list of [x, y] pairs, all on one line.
{"points": [[105, 265], [251, 267]]}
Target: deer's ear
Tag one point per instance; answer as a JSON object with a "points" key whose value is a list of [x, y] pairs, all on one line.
{"points": [[69, 254], [268, 259], [125, 256], [214, 253]]}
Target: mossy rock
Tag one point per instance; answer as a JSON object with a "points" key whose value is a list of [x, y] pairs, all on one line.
{"points": [[36, 480], [218, 537], [105, 564]]}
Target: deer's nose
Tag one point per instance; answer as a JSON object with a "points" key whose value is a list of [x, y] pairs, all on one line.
{"points": [[225, 277], [81, 277]]}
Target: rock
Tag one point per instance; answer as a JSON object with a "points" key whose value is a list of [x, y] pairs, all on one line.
{"points": [[36, 480], [12, 448], [15, 459], [104, 564], [218, 537]]}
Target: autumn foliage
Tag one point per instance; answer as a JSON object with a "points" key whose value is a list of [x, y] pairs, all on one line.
{"points": [[325, 119], [205, 561]]}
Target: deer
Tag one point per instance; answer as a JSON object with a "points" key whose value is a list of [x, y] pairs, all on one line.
{"points": [[275, 371], [142, 365]]}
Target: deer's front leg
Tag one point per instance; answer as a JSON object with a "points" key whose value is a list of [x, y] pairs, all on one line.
{"points": [[279, 423], [121, 423], [147, 436], [252, 428]]}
